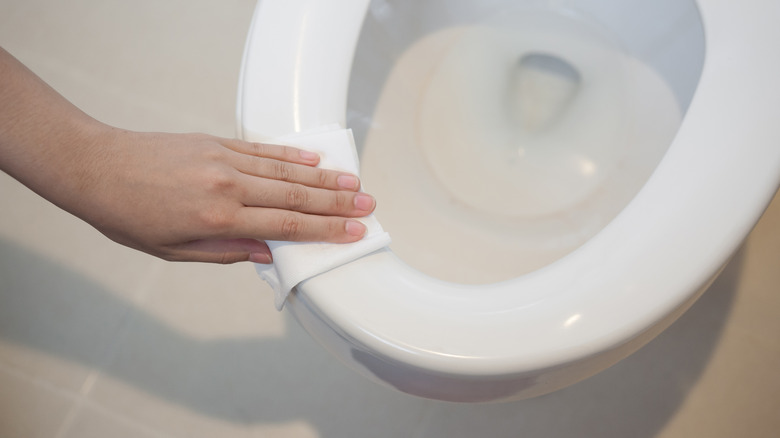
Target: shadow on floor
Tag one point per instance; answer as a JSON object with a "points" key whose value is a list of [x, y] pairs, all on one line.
{"points": [[249, 381]]}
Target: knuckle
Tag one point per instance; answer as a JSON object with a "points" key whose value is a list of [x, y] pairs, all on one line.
{"points": [[322, 178], [292, 227], [258, 149], [225, 258], [340, 202], [281, 171], [220, 181], [297, 197]]}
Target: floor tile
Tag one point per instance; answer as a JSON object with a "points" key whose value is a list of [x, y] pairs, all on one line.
{"points": [[737, 396], [29, 408], [208, 301], [183, 385], [173, 415], [57, 323], [94, 422], [137, 79], [755, 310]]}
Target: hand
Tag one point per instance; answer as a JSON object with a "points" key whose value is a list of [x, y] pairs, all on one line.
{"points": [[200, 198]]}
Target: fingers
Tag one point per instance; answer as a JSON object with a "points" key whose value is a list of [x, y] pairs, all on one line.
{"points": [[296, 173], [286, 198], [289, 164], [273, 224], [276, 152], [298, 197]]}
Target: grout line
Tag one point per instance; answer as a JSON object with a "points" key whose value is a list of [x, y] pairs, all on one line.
{"points": [[144, 288], [67, 423], [83, 403], [48, 386], [89, 382], [41, 383], [124, 420], [138, 300]]}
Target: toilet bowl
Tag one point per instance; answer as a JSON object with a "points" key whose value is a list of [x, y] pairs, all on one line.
{"points": [[599, 260]]}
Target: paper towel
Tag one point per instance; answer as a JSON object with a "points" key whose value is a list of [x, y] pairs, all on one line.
{"points": [[295, 262]]}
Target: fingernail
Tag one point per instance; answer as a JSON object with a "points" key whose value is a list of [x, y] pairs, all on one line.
{"points": [[259, 257], [364, 202], [309, 156], [355, 228], [350, 182]]}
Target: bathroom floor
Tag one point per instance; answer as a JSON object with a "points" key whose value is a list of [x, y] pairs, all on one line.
{"points": [[98, 340]]}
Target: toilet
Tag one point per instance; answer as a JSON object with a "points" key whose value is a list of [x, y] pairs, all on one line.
{"points": [[562, 180]]}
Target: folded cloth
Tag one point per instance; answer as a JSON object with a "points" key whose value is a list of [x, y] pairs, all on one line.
{"points": [[295, 262]]}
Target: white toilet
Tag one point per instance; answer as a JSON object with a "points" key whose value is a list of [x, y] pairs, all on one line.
{"points": [[562, 179]]}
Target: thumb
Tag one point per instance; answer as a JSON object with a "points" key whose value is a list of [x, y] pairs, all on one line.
{"points": [[225, 251]]}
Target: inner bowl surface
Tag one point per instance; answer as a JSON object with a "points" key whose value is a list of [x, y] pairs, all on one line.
{"points": [[500, 136]]}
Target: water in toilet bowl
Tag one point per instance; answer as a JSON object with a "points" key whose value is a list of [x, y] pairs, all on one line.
{"points": [[498, 147]]}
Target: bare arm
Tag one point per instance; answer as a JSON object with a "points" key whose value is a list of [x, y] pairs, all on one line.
{"points": [[176, 196]]}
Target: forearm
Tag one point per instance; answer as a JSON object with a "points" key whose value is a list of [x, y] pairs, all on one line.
{"points": [[44, 139]]}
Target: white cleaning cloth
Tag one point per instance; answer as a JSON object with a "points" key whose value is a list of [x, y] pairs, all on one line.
{"points": [[295, 262]]}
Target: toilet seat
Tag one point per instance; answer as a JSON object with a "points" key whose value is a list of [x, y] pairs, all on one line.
{"points": [[577, 316]]}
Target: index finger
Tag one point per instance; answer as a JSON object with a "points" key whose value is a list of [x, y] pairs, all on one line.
{"points": [[289, 154]]}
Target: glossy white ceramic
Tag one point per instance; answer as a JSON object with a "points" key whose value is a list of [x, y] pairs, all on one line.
{"points": [[582, 313]]}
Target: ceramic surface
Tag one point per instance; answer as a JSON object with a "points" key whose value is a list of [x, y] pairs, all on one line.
{"points": [[580, 314]]}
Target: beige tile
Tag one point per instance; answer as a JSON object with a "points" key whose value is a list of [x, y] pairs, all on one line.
{"points": [[295, 429], [95, 422], [183, 385], [755, 310], [29, 408], [150, 65], [170, 417], [737, 396], [181, 367], [207, 301], [57, 323], [35, 362]]}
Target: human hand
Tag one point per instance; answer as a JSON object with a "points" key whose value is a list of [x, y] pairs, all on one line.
{"points": [[196, 197]]}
